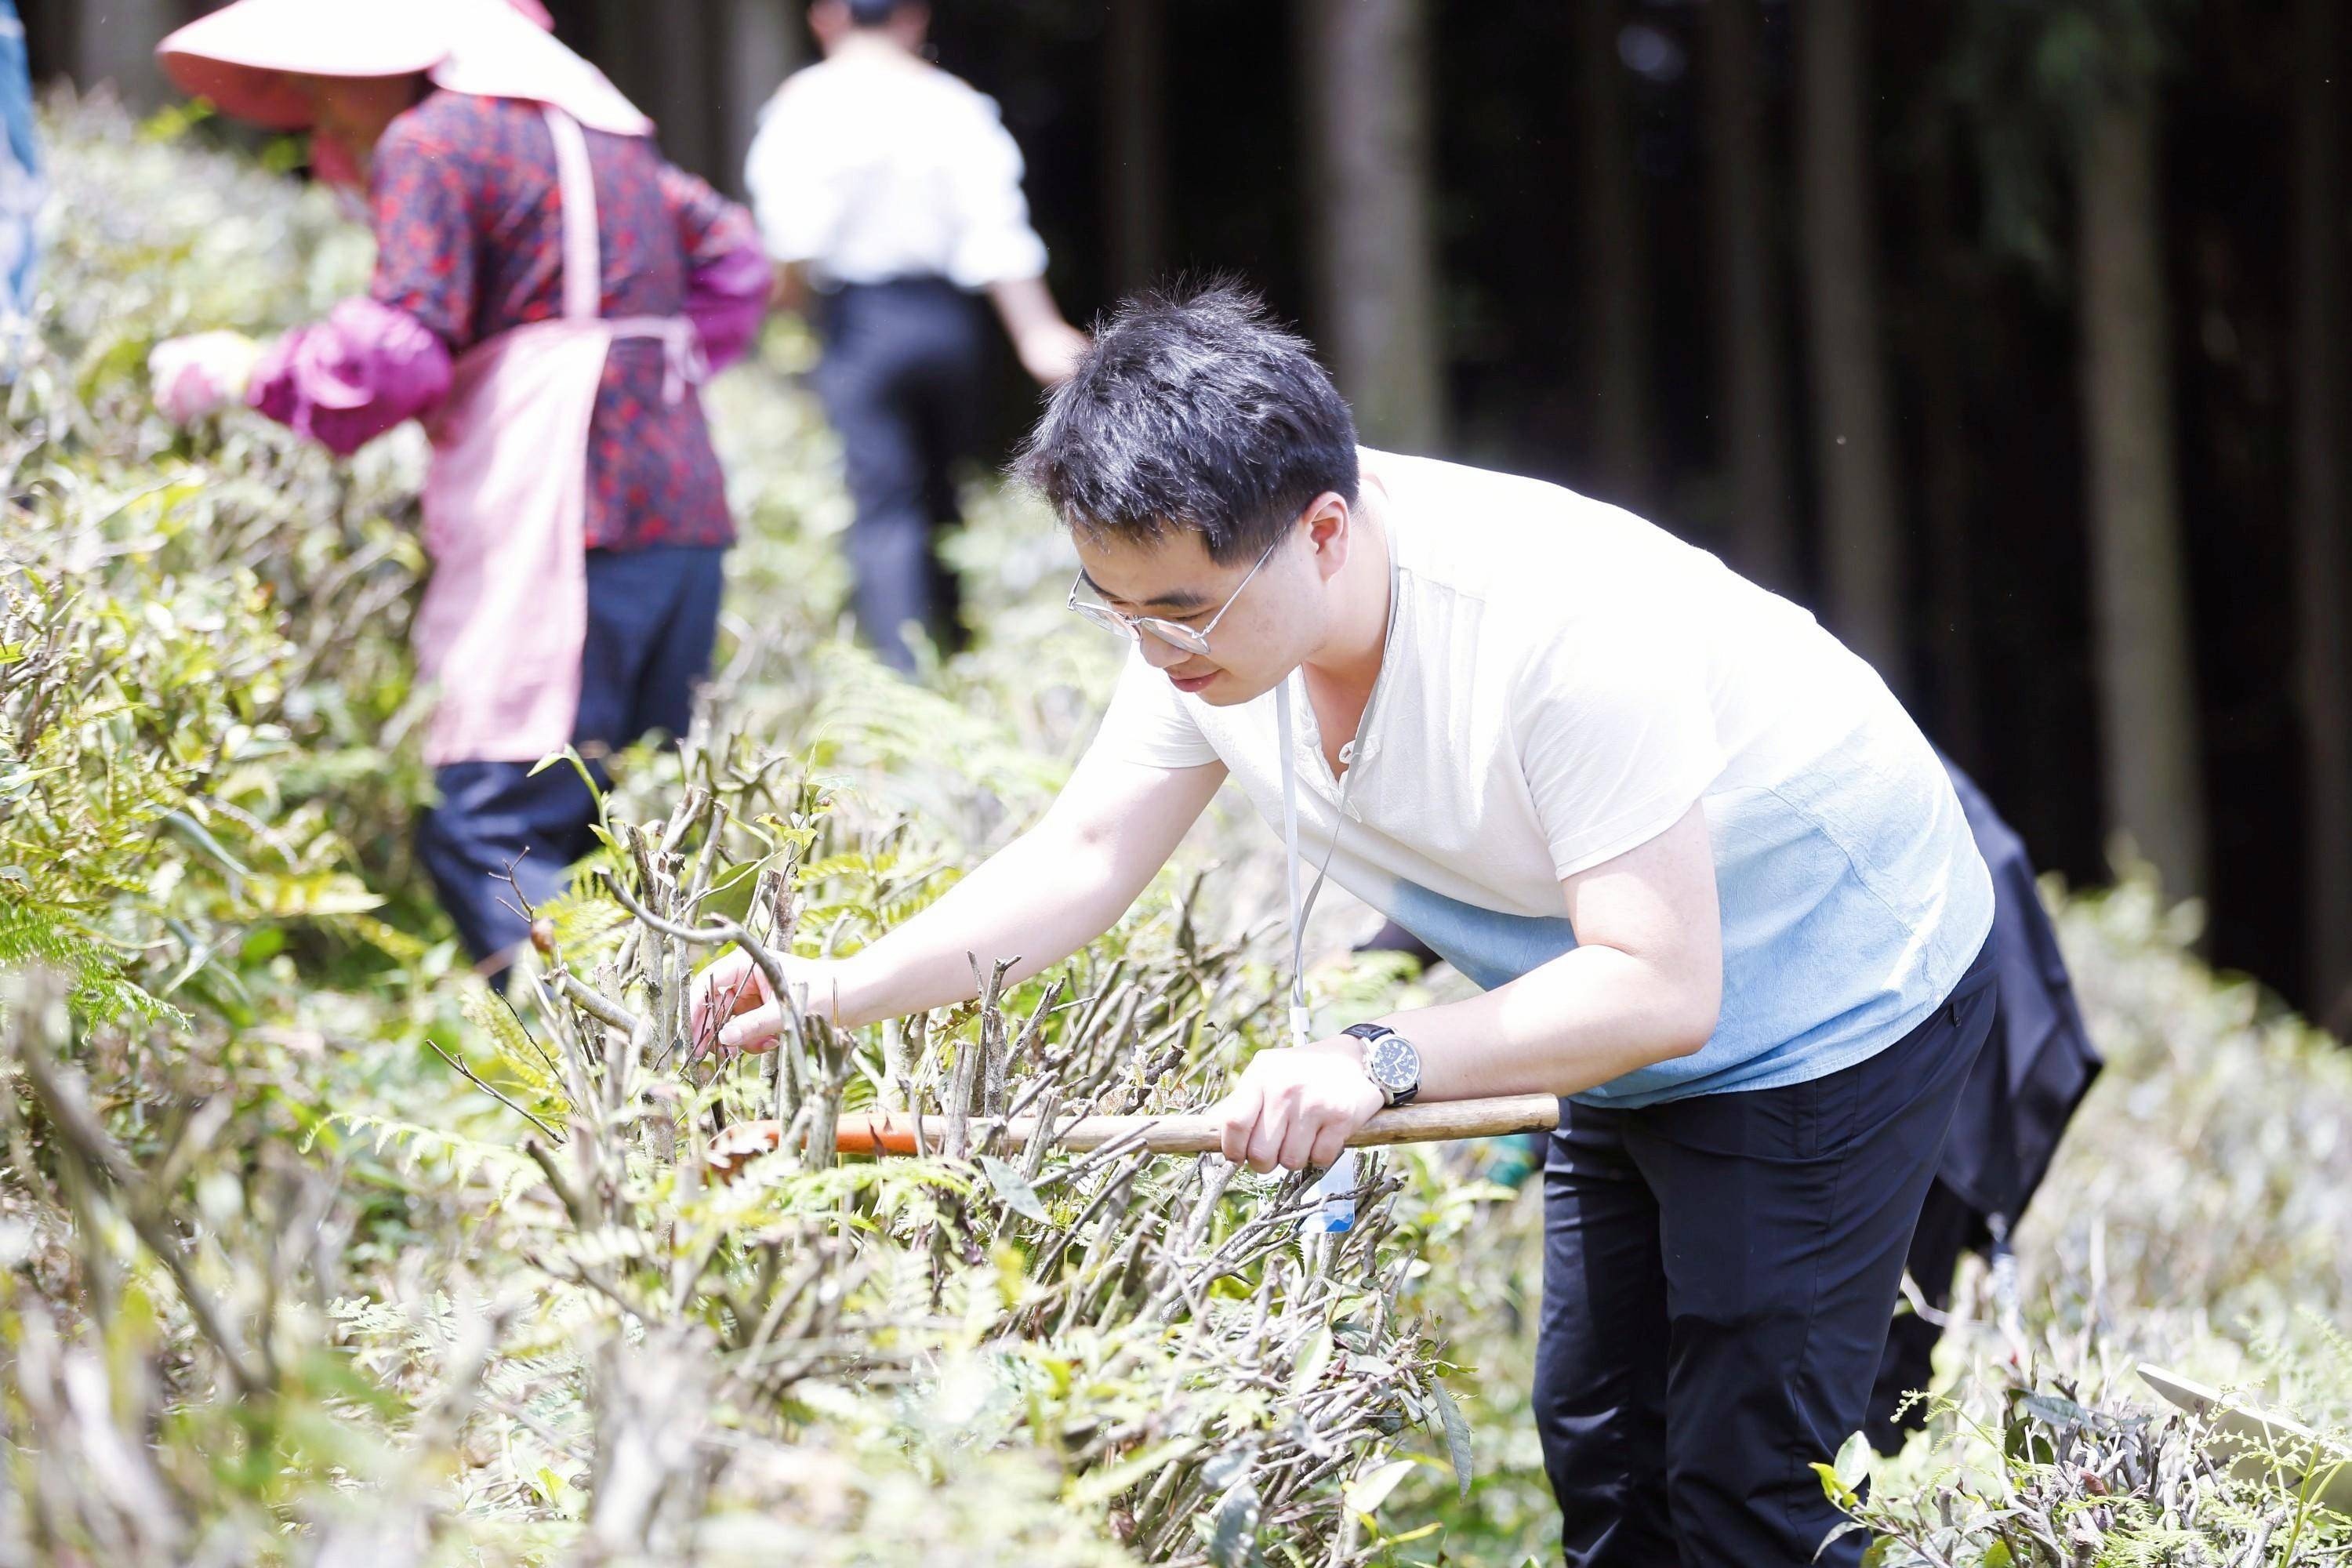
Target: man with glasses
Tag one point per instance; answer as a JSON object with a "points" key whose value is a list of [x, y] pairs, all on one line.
{"points": [[1718, 890]]}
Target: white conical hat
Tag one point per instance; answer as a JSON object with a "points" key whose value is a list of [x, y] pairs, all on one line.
{"points": [[239, 57]]}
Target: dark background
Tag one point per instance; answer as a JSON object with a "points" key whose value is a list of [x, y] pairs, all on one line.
{"points": [[1980, 318]]}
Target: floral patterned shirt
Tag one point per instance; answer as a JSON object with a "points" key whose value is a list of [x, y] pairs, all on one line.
{"points": [[469, 244]]}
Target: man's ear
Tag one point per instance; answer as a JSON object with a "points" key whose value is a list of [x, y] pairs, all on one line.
{"points": [[1330, 532]]}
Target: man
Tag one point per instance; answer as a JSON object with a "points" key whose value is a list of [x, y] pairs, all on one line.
{"points": [[1716, 883], [893, 191], [20, 174]]}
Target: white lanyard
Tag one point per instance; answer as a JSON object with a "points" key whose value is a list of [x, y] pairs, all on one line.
{"points": [[1337, 1211]]}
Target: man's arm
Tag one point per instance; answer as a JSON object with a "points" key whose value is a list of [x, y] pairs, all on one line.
{"points": [[1048, 345], [1643, 985], [1040, 898], [789, 288]]}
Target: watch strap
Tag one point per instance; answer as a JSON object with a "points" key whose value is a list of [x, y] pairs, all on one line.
{"points": [[1368, 1032]]}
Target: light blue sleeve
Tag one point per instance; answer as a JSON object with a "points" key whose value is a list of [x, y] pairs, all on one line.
{"points": [[20, 166]]}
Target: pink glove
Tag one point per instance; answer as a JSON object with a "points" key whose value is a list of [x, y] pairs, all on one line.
{"points": [[200, 374]]}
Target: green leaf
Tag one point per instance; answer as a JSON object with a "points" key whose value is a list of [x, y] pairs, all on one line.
{"points": [[1836, 1490], [1366, 1495], [1853, 1462], [1313, 1357], [1232, 1538], [2055, 1412], [1015, 1189], [194, 832], [1457, 1435], [1100, 1485]]}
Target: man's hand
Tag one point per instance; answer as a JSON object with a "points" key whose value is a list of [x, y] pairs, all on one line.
{"points": [[734, 1009], [1298, 1107], [1050, 351]]}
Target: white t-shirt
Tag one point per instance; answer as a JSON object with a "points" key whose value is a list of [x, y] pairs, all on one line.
{"points": [[1563, 681], [871, 167]]}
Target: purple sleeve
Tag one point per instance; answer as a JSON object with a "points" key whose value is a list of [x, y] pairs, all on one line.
{"points": [[726, 302], [727, 271], [348, 379]]}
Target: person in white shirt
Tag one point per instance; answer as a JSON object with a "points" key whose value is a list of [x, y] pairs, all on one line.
{"points": [[1718, 889], [888, 194]]}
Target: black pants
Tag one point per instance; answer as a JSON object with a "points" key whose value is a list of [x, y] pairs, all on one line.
{"points": [[1719, 1273], [652, 617], [902, 381]]}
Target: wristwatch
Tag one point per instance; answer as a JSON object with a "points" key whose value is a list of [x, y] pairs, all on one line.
{"points": [[1390, 1061]]}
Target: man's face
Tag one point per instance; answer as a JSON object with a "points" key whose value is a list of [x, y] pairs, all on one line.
{"points": [[1263, 634]]}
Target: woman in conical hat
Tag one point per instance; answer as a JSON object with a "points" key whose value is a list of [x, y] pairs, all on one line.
{"points": [[548, 292]]}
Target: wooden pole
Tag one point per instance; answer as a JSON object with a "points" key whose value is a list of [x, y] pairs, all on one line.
{"points": [[897, 1132]]}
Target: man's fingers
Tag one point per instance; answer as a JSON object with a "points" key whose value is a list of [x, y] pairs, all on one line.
{"points": [[1329, 1144], [1298, 1144], [720, 993], [1265, 1143], [752, 1031], [1240, 1111]]}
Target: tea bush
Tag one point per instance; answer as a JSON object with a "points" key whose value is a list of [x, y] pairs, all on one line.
{"points": [[317, 1252]]}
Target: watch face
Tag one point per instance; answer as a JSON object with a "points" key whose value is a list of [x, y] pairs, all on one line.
{"points": [[1392, 1063]]}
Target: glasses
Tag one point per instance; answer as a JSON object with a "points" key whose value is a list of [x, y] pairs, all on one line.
{"points": [[1175, 634]]}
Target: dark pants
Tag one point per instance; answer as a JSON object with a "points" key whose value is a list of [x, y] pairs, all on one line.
{"points": [[1948, 1228], [652, 617], [1719, 1273], [902, 381]]}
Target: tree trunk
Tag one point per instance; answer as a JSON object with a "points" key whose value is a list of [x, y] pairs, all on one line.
{"points": [[759, 45], [621, 53], [2324, 584], [1755, 377], [682, 100], [1135, 172], [2148, 682], [1860, 539], [115, 42], [1946, 302], [1366, 64], [1616, 264]]}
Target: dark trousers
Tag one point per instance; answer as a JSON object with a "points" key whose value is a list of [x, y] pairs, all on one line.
{"points": [[1719, 1273], [1948, 1227], [653, 615], [901, 380]]}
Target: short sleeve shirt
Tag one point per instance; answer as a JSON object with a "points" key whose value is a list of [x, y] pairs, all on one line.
{"points": [[1563, 682], [872, 168]]}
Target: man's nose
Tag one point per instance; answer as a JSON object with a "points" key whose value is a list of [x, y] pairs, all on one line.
{"points": [[1158, 653]]}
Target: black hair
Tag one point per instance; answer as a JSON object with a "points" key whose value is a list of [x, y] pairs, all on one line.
{"points": [[1193, 409], [874, 13]]}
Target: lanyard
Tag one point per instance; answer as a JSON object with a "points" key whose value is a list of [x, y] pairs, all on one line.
{"points": [[1336, 1211]]}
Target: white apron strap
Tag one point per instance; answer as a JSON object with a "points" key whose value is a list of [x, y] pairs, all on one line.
{"points": [[683, 365], [583, 262], [683, 362]]}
